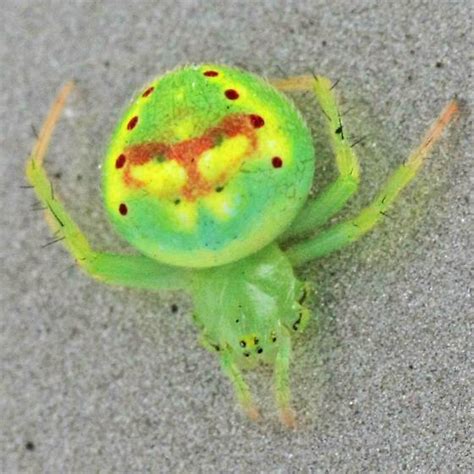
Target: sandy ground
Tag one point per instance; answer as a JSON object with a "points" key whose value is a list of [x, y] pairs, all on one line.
{"points": [[101, 379]]}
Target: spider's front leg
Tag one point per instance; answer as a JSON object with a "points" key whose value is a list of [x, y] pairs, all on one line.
{"points": [[351, 230], [317, 212], [128, 270], [242, 390], [282, 381]]}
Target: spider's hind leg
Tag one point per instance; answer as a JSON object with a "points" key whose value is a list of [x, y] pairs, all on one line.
{"points": [[318, 211], [126, 270], [351, 230]]}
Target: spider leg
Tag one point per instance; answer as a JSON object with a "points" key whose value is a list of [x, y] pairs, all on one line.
{"points": [[128, 270], [351, 230], [242, 390], [282, 385], [294, 83], [332, 199]]}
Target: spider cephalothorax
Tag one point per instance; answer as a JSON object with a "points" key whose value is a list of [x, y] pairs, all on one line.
{"points": [[251, 305], [207, 176]]}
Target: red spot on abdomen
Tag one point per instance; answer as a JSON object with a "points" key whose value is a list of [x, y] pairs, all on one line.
{"points": [[231, 94], [277, 162], [132, 123], [257, 121], [148, 91], [123, 209], [120, 161]]}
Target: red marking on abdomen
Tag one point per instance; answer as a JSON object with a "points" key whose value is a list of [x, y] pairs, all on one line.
{"points": [[188, 152], [123, 209], [120, 161], [277, 162], [148, 91], [132, 123]]}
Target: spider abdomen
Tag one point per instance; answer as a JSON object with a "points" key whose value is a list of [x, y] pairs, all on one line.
{"points": [[208, 165]]}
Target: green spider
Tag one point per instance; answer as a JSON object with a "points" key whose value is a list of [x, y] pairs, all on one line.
{"points": [[208, 175]]}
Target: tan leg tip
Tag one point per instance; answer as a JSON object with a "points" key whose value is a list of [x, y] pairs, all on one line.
{"points": [[288, 418], [253, 413]]}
